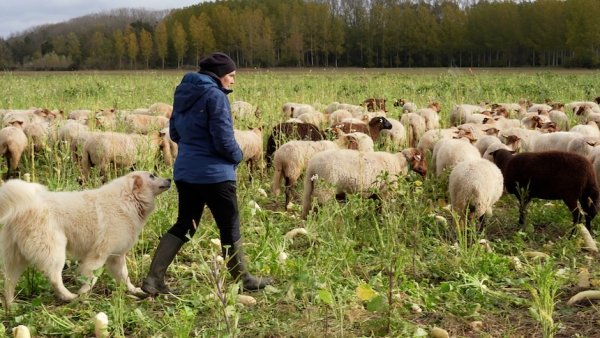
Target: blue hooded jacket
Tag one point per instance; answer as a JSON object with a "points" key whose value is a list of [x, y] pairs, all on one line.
{"points": [[202, 127]]}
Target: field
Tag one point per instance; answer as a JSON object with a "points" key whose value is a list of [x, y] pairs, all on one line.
{"points": [[358, 272]]}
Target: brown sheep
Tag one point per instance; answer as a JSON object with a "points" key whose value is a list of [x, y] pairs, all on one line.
{"points": [[287, 131], [373, 104], [373, 129], [551, 175]]}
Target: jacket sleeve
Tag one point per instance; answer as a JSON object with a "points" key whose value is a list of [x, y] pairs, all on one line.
{"points": [[173, 134], [221, 128]]}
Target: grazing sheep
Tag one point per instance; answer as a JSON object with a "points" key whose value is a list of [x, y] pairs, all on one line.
{"points": [[475, 186], [69, 130], [118, 149], [316, 118], [407, 107], [451, 152], [373, 129], [39, 134], [349, 171], [243, 109], [302, 109], [291, 159], [484, 142], [338, 115], [251, 144], [588, 129], [527, 137], [287, 131], [287, 108], [373, 104], [460, 112], [431, 137], [416, 127], [431, 115], [479, 130], [13, 143], [583, 145], [170, 149], [143, 124], [522, 103], [554, 141], [353, 120], [77, 114], [551, 175], [512, 143], [396, 135], [352, 108], [561, 119], [161, 109], [359, 141], [25, 116]]}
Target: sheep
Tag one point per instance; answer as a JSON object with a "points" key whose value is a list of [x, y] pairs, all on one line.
{"points": [[484, 142], [143, 124], [512, 143], [286, 131], [407, 107], [551, 175], [121, 150], [575, 105], [373, 104], [359, 141], [352, 108], [366, 117], [338, 115], [503, 123], [161, 109], [302, 109], [243, 109], [554, 141], [583, 145], [69, 130], [561, 119], [39, 134], [416, 127], [539, 106], [349, 171], [451, 152], [460, 112], [141, 111], [352, 120], [251, 144], [475, 186], [79, 113], [397, 134], [522, 103], [588, 129], [534, 121], [431, 137], [314, 117], [291, 159], [170, 148], [288, 108], [527, 137], [13, 143], [25, 116], [479, 130], [431, 115], [373, 129]]}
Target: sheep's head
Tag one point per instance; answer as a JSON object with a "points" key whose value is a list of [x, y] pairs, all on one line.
{"points": [[486, 113], [558, 106], [549, 127], [417, 160], [495, 106], [502, 112], [385, 124], [492, 131], [435, 106], [501, 156], [543, 112], [513, 141]]}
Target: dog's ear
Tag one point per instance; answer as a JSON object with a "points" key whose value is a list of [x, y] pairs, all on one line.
{"points": [[138, 183]]}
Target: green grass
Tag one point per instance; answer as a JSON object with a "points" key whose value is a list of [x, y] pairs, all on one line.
{"points": [[412, 270]]}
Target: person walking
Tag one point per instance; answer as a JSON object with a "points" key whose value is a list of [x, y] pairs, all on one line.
{"points": [[204, 171]]}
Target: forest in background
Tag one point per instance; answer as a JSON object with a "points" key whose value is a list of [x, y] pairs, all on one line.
{"points": [[319, 33]]}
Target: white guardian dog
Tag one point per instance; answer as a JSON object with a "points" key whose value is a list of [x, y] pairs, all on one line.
{"points": [[95, 226]]}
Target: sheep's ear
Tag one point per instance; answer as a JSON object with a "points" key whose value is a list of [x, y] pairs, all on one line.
{"points": [[485, 120], [493, 153]]}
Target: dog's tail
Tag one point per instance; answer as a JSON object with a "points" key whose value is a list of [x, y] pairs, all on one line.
{"points": [[16, 196]]}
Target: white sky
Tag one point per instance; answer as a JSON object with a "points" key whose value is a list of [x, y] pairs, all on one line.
{"points": [[19, 15]]}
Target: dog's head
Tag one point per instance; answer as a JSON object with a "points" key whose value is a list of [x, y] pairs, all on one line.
{"points": [[144, 182]]}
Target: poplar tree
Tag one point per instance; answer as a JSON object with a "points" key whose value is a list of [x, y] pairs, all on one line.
{"points": [[146, 45], [119, 43], [179, 42], [161, 39]]}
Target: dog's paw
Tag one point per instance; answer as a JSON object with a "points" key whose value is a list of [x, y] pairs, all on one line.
{"points": [[67, 297], [85, 288]]}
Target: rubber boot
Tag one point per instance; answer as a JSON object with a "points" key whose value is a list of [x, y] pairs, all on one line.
{"points": [[165, 253], [238, 269]]}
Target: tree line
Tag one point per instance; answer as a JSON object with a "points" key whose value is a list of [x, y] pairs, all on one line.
{"points": [[320, 33]]}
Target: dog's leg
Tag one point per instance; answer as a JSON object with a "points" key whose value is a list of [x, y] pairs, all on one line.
{"points": [[14, 265], [117, 268], [86, 269]]}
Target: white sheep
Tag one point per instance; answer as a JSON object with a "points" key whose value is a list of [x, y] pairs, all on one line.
{"points": [[143, 124], [288, 108], [79, 113], [118, 149], [561, 119], [583, 145], [169, 148], [554, 141], [475, 186], [349, 171], [460, 112], [302, 109], [484, 142], [315, 117], [430, 115], [251, 144], [161, 109], [588, 129], [450, 152], [527, 137], [69, 130], [243, 110], [512, 143], [338, 115], [431, 137], [396, 135], [13, 143], [416, 127]]}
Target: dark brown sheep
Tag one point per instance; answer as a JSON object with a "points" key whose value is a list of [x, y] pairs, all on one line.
{"points": [[551, 175], [375, 126], [287, 131]]}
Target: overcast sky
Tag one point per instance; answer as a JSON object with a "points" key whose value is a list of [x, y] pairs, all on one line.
{"points": [[18, 15]]}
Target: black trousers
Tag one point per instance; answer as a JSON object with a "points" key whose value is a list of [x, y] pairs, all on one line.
{"points": [[221, 199]]}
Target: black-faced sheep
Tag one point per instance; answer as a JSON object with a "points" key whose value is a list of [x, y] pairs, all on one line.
{"points": [[551, 175], [349, 171], [287, 131]]}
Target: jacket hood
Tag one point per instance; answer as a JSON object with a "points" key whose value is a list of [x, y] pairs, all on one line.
{"points": [[191, 89]]}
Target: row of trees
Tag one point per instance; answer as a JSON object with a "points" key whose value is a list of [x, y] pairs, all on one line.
{"points": [[364, 33]]}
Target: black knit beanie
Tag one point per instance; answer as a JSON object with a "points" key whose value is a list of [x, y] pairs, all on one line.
{"points": [[218, 63]]}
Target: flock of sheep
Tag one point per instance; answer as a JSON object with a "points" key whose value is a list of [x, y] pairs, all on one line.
{"points": [[334, 145]]}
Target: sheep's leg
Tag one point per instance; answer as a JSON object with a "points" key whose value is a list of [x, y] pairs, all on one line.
{"points": [[590, 209], [576, 212], [288, 191], [523, 212]]}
